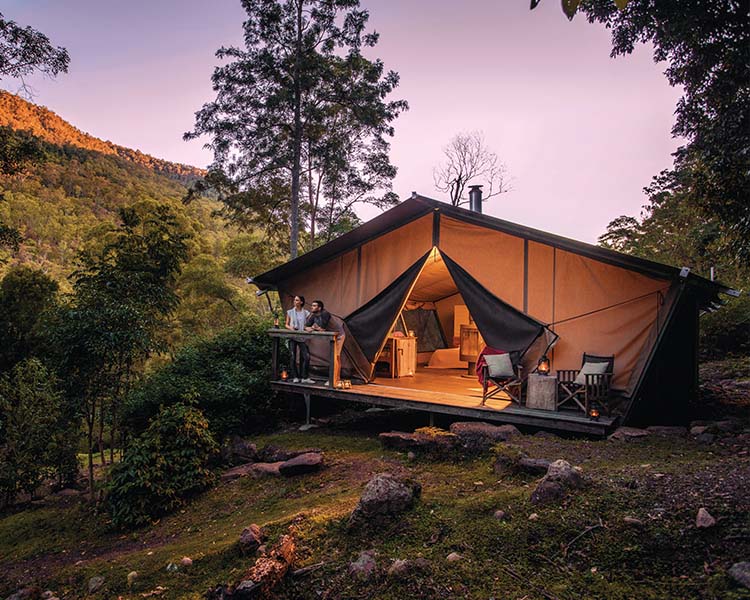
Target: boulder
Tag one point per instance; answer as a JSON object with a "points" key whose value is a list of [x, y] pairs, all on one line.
{"points": [[478, 437], [627, 434], [432, 441], [399, 568], [236, 451], [533, 466], [454, 557], [252, 469], [560, 479], [704, 519], [740, 572], [251, 538], [304, 463], [698, 429], [365, 567], [95, 584], [385, 496], [667, 430], [272, 454]]}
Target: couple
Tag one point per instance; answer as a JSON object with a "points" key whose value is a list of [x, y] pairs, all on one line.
{"points": [[299, 318]]}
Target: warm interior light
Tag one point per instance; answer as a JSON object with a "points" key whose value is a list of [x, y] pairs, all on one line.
{"points": [[284, 375], [543, 365], [594, 413]]}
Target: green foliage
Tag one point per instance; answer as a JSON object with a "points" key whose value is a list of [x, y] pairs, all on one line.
{"points": [[163, 467], [35, 442], [228, 375], [25, 295], [24, 50], [18, 150], [706, 45], [299, 104], [727, 331]]}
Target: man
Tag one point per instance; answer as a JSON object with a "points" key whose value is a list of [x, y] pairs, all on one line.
{"points": [[296, 318], [320, 320]]}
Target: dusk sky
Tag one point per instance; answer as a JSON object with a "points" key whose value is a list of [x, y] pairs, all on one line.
{"points": [[580, 133]]}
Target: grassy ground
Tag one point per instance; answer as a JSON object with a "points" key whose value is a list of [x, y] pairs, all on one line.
{"points": [[660, 481]]}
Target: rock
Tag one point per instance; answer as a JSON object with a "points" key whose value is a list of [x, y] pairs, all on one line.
{"points": [[698, 429], [507, 460], [411, 456], [704, 519], [705, 438], [726, 426], [304, 463], [399, 568], [253, 470], [667, 430], [560, 478], [365, 567], [272, 454], [245, 590], [476, 438], [547, 491], [132, 576], [454, 557], [236, 450], [251, 538], [437, 443], [95, 584], [186, 561], [533, 517], [740, 572], [533, 466], [626, 434], [307, 427], [172, 568], [48, 595], [385, 496], [499, 515], [632, 521]]}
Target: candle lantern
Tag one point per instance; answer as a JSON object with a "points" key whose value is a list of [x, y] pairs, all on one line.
{"points": [[594, 414], [543, 365], [284, 375]]}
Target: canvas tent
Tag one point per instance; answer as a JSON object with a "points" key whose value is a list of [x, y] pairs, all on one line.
{"points": [[525, 289]]}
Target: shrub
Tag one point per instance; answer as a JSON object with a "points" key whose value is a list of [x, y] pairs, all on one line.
{"points": [[163, 467], [35, 442], [726, 332], [228, 375]]}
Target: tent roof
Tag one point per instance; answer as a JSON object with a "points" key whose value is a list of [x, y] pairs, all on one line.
{"points": [[418, 206]]}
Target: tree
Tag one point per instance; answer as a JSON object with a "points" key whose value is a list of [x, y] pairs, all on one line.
{"points": [[301, 67], [25, 295], [570, 7], [24, 50], [34, 441], [122, 297], [469, 161], [706, 44]]}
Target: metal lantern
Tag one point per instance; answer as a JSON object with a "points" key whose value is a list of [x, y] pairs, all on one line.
{"points": [[594, 414], [284, 375], [543, 365]]}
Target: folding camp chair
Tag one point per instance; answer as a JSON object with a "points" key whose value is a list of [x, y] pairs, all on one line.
{"points": [[588, 385], [504, 374]]}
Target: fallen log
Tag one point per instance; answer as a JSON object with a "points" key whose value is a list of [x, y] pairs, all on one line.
{"points": [[268, 570]]}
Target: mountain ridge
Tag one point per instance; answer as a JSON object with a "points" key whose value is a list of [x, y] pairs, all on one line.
{"points": [[20, 114]]}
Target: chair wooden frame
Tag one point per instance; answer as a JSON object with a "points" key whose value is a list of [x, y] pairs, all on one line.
{"points": [[512, 386], [595, 390]]}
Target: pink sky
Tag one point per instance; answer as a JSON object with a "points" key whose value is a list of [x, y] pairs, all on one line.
{"points": [[581, 134]]}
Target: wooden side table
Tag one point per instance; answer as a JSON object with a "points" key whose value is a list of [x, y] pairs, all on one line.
{"points": [[541, 392]]}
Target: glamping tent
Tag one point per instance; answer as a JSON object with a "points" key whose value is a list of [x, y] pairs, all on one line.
{"points": [[426, 266]]}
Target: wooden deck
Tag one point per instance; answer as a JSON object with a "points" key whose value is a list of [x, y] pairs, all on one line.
{"points": [[446, 392]]}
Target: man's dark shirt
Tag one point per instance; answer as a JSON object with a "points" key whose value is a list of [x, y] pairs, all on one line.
{"points": [[321, 319]]}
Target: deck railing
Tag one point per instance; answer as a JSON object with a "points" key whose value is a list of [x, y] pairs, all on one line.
{"points": [[333, 356]]}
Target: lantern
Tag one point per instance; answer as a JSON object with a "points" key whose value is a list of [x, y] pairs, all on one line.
{"points": [[284, 375], [594, 414], [543, 365]]}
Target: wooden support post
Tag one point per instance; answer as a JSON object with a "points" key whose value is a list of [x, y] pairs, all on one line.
{"points": [[274, 359], [307, 407]]}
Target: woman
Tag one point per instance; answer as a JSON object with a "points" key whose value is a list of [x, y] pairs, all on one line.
{"points": [[296, 318]]}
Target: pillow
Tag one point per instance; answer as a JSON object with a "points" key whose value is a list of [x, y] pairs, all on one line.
{"points": [[499, 365], [590, 368]]}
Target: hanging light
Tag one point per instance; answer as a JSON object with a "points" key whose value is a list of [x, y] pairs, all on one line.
{"points": [[543, 365]]}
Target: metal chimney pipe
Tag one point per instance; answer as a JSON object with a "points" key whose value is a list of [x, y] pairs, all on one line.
{"points": [[475, 198]]}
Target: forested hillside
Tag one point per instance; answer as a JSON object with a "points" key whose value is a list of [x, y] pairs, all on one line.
{"points": [[69, 200]]}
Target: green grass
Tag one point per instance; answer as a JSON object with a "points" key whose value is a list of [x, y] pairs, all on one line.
{"points": [[61, 547]]}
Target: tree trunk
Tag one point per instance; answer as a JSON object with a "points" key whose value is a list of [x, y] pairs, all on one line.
{"points": [[100, 434], [297, 139], [310, 197], [90, 444]]}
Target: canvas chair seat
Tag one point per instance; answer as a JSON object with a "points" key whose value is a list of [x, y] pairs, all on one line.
{"points": [[588, 386], [508, 382]]}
